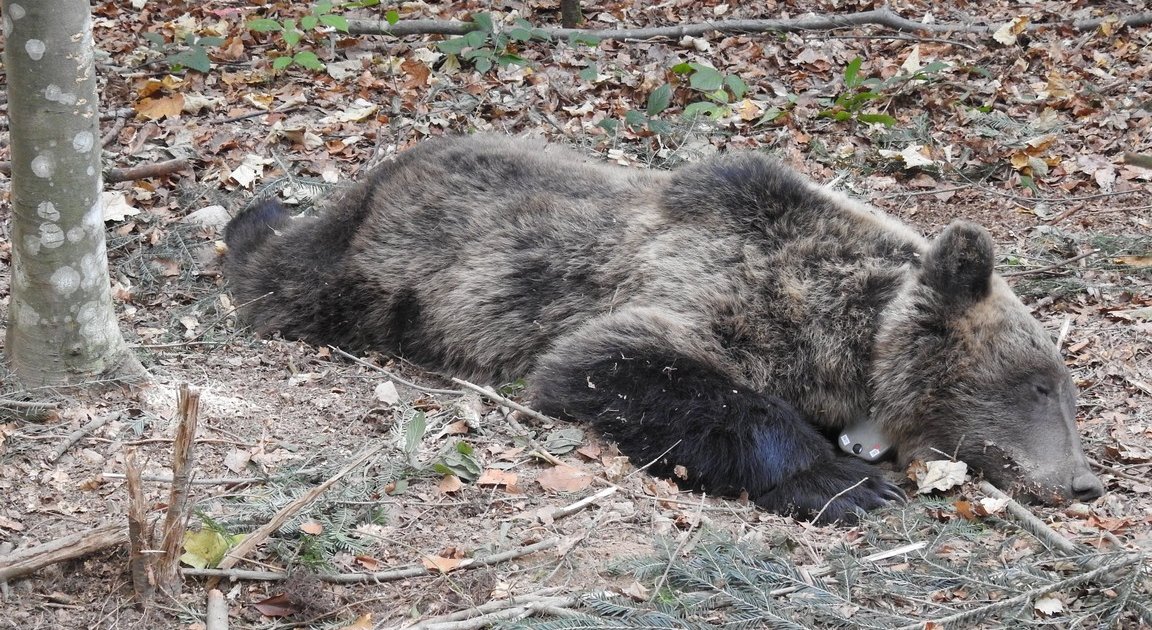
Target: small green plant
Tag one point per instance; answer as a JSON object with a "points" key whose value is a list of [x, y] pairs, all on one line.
{"points": [[459, 459], [859, 93], [322, 20], [191, 54], [486, 46], [717, 89]]}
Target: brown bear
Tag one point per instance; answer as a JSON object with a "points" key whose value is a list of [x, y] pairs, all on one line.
{"points": [[729, 318]]}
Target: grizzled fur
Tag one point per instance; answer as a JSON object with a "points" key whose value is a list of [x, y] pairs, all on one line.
{"points": [[729, 317]]}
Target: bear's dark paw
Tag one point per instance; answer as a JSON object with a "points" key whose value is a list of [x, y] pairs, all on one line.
{"points": [[833, 491]]}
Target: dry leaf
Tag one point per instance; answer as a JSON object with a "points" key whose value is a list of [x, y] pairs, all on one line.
{"points": [[496, 477], [938, 475], [363, 622], [368, 562], [276, 606], [564, 479], [1007, 33], [116, 206], [312, 527], [440, 564], [637, 591], [1049, 605], [386, 393], [449, 484], [237, 460]]}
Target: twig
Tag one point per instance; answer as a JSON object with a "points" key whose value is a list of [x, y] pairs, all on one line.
{"points": [[78, 435], [878, 17], [491, 393], [78, 545], [257, 537], [209, 481], [427, 390], [27, 404], [827, 570], [1052, 267], [1027, 596], [850, 488], [488, 613], [392, 575], [1065, 328], [1031, 522], [113, 131], [155, 169], [569, 510]]}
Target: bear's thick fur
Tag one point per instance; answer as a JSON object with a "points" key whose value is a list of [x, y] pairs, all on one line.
{"points": [[729, 317]]}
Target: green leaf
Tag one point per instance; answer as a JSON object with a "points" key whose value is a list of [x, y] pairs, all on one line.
{"points": [[635, 118], [851, 71], [705, 78], [156, 40], [484, 21], [719, 96], [280, 63], [264, 25], [581, 39], [292, 37], [520, 34], [322, 7], [309, 22], [709, 110], [609, 124], [562, 441], [210, 41], [308, 59], [338, 22], [459, 461], [475, 39], [737, 86], [195, 58], [392, 16], [453, 46], [591, 72], [483, 64], [659, 99], [883, 119], [509, 59], [682, 68], [655, 125], [414, 430]]}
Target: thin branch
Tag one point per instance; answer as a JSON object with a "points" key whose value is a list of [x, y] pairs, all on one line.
{"points": [[884, 17], [70, 547], [427, 390], [78, 435], [392, 575], [154, 169], [1052, 267], [257, 537], [488, 392]]}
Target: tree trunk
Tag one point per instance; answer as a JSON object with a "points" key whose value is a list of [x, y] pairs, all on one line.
{"points": [[570, 15], [61, 326]]}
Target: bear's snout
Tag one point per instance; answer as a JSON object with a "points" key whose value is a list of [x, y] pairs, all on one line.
{"points": [[1087, 487]]}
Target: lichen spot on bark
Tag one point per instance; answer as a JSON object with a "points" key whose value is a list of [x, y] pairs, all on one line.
{"points": [[43, 165], [47, 210], [65, 280], [83, 141], [51, 236], [35, 49]]}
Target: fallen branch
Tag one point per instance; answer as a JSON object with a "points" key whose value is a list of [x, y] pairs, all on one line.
{"points": [[392, 575], [23, 561], [288, 511], [884, 17], [216, 617], [78, 435], [155, 169], [511, 609]]}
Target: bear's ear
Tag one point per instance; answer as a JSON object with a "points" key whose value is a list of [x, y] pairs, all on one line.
{"points": [[959, 263]]}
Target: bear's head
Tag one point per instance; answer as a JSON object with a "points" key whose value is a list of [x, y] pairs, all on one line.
{"points": [[961, 368]]}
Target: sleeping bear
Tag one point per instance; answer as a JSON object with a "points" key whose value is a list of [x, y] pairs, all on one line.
{"points": [[723, 322]]}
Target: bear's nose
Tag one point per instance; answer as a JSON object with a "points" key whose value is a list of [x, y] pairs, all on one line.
{"points": [[1087, 487]]}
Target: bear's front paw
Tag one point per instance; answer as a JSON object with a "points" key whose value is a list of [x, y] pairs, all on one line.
{"points": [[832, 491]]}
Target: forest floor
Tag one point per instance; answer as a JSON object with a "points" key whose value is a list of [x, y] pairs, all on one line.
{"points": [[1025, 132]]}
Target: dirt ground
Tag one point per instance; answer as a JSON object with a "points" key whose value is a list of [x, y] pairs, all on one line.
{"points": [[280, 417]]}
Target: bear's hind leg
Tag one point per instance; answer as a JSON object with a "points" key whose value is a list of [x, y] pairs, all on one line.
{"points": [[643, 380]]}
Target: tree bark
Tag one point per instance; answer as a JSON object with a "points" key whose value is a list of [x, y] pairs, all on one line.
{"points": [[61, 326], [570, 14]]}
